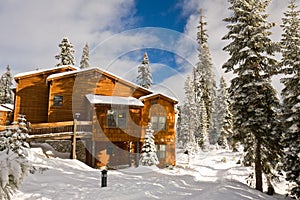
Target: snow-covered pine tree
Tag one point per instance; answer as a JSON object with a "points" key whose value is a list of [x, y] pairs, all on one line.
{"points": [[205, 86], [6, 94], [203, 137], [290, 47], [84, 62], [148, 153], [224, 114], [144, 77], [189, 117], [178, 128], [66, 55], [14, 165], [254, 100]]}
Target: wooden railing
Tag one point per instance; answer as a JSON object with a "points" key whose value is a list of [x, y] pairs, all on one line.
{"points": [[60, 127], [61, 130]]}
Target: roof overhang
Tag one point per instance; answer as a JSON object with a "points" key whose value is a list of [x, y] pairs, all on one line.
{"points": [[159, 95], [113, 100]]}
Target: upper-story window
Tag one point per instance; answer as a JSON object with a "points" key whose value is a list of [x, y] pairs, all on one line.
{"points": [[58, 100], [158, 123], [116, 119]]}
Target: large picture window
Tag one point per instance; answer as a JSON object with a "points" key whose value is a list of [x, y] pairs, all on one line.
{"points": [[161, 150], [58, 100], [116, 119], [158, 123]]}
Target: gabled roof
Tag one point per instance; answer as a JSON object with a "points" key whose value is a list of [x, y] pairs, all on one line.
{"points": [[8, 106], [4, 109], [43, 71], [114, 100], [159, 95], [102, 71]]}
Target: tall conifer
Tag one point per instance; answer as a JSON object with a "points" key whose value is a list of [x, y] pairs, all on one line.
{"points": [[254, 101], [144, 77], [290, 47], [66, 55]]}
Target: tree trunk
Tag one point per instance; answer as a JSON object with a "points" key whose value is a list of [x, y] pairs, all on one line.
{"points": [[258, 167]]}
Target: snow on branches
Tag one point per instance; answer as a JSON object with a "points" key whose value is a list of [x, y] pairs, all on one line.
{"points": [[13, 163], [148, 154]]}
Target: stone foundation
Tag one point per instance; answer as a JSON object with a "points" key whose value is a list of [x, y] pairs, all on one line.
{"points": [[65, 146]]}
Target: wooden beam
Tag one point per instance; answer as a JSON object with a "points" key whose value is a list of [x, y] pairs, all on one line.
{"points": [[74, 140], [58, 136], [54, 124]]}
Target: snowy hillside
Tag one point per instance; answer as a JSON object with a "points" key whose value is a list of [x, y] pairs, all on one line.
{"points": [[214, 176]]}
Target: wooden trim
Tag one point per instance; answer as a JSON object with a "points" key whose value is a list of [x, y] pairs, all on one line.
{"points": [[53, 124]]}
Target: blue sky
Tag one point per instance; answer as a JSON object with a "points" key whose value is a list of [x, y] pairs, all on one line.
{"points": [[118, 34]]}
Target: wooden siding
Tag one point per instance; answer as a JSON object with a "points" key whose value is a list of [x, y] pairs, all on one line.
{"points": [[74, 88], [114, 155], [160, 107], [5, 117], [132, 131], [32, 96]]}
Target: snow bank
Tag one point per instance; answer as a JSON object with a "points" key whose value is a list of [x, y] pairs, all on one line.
{"points": [[210, 176]]}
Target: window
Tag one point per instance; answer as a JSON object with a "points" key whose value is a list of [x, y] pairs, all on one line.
{"points": [[57, 100], [158, 123], [161, 150], [116, 119]]}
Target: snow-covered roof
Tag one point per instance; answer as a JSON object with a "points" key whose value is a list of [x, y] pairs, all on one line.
{"points": [[120, 78], [114, 100], [54, 76], [3, 109], [44, 70], [8, 106], [159, 94]]}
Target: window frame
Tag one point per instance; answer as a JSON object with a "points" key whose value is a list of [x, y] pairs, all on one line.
{"points": [[58, 100], [158, 125], [161, 151], [118, 120]]}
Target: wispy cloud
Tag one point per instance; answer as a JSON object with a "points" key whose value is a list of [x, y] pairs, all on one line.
{"points": [[31, 30]]}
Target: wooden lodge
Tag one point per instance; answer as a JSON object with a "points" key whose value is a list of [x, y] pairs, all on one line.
{"points": [[6, 114], [119, 112]]}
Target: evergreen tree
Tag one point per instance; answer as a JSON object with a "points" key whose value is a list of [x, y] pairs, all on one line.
{"points": [[148, 153], [189, 119], [6, 94], [14, 165], [205, 86], [85, 63], [66, 55], [144, 77], [179, 136], [290, 47], [224, 127], [254, 101], [203, 137]]}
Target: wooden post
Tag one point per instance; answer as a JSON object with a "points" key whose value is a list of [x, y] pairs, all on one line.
{"points": [[93, 153], [74, 140]]}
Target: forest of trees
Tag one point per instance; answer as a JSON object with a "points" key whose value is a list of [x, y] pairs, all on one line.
{"points": [[249, 111]]}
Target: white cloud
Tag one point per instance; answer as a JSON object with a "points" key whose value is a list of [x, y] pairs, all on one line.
{"points": [[31, 30], [215, 11]]}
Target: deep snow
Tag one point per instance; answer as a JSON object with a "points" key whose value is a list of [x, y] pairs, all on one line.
{"points": [[211, 175]]}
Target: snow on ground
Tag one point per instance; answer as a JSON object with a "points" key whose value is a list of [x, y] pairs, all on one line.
{"points": [[213, 175]]}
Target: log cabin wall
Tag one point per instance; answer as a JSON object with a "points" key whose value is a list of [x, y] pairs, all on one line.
{"points": [[32, 95], [5, 117], [130, 132], [165, 139], [73, 88]]}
